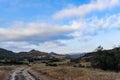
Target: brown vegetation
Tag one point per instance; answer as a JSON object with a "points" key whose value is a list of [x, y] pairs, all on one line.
{"points": [[4, 72], [74, 73]]}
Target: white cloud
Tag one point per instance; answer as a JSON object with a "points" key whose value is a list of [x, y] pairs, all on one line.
{"points": [[108, 22], [19, 35], [20, 30], [89, 27], [82, 10], [26, 46], [15, 45], [51, 44]]}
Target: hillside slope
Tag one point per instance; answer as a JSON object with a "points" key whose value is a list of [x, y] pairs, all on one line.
{"points": [[6, 55]]}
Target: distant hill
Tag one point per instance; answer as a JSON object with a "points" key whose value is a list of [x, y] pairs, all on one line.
{"points": [[89, 57], [60, 56], [7, 55], [76, 55]]}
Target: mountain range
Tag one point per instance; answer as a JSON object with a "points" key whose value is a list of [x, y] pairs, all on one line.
{"points": [[7, 55]]}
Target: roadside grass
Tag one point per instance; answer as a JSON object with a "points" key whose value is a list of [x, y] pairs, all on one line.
{"points": [[4, 72], [74, 73]]}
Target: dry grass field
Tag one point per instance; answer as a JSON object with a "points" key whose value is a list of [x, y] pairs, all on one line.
{"points": [[73, 73], [4, 72]]}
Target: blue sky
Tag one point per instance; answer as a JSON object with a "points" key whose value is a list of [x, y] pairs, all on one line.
{"points": [[61, 26]]}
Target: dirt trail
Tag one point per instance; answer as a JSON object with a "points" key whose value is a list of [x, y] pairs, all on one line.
{"points": [[21, 74]]}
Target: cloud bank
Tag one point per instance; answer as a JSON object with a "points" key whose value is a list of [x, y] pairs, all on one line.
{"points": [[23, 35], [82, 10]]}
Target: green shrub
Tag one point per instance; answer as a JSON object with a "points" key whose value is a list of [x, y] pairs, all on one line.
{"points": [[107, 60]]}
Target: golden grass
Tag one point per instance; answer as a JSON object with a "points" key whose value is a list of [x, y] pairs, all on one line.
{"points": [[3, 75], [4, 72], [6, 68], [73, 73]]}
